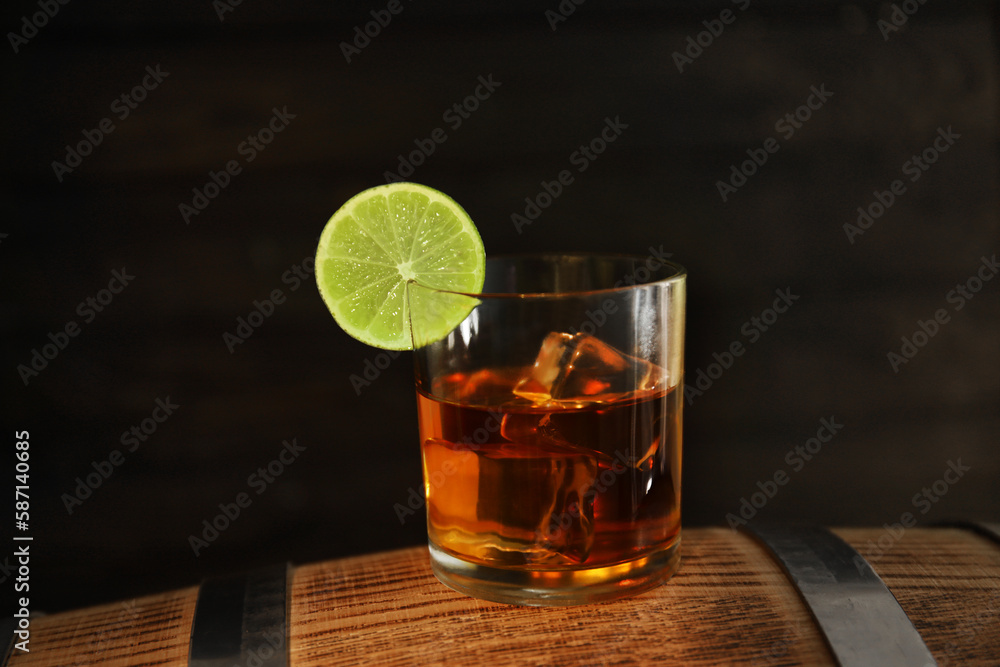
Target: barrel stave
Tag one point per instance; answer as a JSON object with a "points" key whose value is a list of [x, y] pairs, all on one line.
{"points": [[947, 580], [729, 602], [151, 630]]}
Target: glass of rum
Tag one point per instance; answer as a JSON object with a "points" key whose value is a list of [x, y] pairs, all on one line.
{"points": [[550, 428]]}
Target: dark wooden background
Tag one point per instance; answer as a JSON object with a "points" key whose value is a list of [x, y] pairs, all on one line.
{"points": [[654, 186]]}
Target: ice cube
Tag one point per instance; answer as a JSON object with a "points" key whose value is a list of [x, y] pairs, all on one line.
{"points": [[579, 369], [539, 494], [521, 426], [511, 503], [541, 430]]}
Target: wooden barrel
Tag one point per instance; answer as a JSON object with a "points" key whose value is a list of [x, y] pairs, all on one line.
{"points": [[730, 603]]}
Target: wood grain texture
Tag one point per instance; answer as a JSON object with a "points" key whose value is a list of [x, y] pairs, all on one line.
{"points": [[730, 603], [147, 631], [947, 580], [727, 591]]}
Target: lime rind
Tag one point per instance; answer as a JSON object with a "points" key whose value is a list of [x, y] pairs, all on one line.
{"points": [[384, 241]]}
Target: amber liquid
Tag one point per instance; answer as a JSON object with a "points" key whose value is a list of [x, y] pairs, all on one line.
{"points": [[511, 484]]}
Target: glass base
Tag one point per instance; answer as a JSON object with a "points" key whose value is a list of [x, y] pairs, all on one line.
{"points": [[551, 588]]}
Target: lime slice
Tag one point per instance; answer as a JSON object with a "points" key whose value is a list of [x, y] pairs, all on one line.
{"points": [[389, 236]]}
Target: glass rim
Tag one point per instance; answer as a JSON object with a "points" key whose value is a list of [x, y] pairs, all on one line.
{"points": [[679, 275]]}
